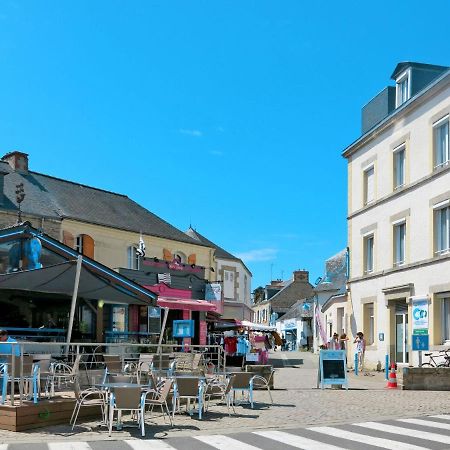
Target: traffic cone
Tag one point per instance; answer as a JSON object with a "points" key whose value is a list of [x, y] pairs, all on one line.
{"points": [[392, 382]]}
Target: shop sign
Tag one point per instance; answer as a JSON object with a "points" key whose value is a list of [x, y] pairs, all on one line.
{"points": [[420, 315], [332, 368], [290, 324], [213, 292]]}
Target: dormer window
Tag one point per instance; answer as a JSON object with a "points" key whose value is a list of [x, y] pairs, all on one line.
{"points": [[403, 92]]}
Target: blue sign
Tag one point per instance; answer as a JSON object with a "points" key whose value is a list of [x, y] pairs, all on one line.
{"points": [[183, 328], [332, 368], [420, 342]]}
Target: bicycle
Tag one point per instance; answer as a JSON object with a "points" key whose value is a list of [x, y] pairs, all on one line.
{"points": [[433, 363]]}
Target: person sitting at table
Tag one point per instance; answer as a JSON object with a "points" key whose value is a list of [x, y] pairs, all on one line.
{"points": [[6, 348]]}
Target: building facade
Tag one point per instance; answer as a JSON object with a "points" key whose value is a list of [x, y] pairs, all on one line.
{"points": [[399, 214], [234, 277]]}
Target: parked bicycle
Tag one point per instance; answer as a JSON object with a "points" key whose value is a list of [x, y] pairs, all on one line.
{"points": [[436, 359]]}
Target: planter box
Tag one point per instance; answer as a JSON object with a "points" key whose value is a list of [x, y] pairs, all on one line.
{"points": [[426, 378]]}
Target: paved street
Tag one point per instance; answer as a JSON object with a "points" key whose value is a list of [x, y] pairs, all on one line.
{"points": [[298, 406], [432, 432]]}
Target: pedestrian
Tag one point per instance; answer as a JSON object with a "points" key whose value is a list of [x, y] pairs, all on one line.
{"points": [[360, 349], [333, 342], [5, 345]]}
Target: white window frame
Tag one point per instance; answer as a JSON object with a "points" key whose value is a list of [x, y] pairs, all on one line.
{"points": [[442, 237], [445, 157], [366, 238], [79, 244], [401, 149], [399, 247], [445, 314], [368, 169], [133, 259], [404, 76]]}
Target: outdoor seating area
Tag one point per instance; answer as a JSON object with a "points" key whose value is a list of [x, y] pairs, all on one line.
{"points": [[119, 385]]}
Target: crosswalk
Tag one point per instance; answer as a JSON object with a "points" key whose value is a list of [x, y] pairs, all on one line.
{"points": [[430, 432]]}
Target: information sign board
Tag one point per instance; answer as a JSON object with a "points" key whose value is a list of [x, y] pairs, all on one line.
{"points": [[420, 342], [332, 368], [183, 328]]}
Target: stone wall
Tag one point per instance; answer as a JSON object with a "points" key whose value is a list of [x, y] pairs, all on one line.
{"points": [[426, 378]]}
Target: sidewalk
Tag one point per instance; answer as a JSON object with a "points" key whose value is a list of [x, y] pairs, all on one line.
{"points": [[297, 403]]}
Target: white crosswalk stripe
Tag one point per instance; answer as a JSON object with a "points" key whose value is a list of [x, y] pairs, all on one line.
{"points": [[358, 437], [151, 444], [223, 442], [441, 416], [296, 441], [426, 423], [393, 436], [68, 446], [405, 432]]}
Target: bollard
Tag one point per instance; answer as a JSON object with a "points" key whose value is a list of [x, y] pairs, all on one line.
{"points": [[356, 363], [386, 367]]}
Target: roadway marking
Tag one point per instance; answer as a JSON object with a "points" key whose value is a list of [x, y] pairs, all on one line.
{"points": [[405, 432], [296, 441], [68, 446], [148, 444], [442, 416], [426, 423], [379, 442], [223, 442]]}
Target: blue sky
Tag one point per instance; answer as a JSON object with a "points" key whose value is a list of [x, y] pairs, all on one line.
{"points": [[230, 115]]}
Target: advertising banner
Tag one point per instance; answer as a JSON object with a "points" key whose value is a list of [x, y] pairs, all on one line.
{"points": [[419, 315]]}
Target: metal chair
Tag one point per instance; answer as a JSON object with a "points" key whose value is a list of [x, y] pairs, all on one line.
{"points": [[120, 378], [221, 390], [242, 381], [127, 399], [259, 381], [189, 388], [160, 398], [61, 373], [88, 397], [144, 367]]}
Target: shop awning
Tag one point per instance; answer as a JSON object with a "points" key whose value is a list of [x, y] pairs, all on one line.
{"points": [[186, 304], [59, 279], [244, 324]]}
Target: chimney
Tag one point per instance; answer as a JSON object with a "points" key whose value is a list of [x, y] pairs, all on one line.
{"points": [[301, 275], [17, 160]]}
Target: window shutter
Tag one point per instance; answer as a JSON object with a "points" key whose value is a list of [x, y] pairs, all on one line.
{"points": [[88, 246], [192, 259], [68, 239]]}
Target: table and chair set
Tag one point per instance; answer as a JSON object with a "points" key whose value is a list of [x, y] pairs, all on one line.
{"points": [[136, 385]]}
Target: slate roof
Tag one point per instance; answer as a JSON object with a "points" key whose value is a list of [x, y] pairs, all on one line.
{"points": [[220, 252], [296, 310], [55, 198], [291, 293], [336, 273]]}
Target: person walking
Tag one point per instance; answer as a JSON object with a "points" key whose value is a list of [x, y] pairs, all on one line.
{"points": [[360, 349]]}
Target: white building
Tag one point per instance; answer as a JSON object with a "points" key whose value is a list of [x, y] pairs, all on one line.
{"points": [[234, 277], [399, 213]]}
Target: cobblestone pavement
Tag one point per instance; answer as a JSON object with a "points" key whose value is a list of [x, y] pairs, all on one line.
{"points": [[297, 403]]}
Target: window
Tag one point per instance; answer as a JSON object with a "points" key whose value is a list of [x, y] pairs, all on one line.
{"points": [[445, 319], [403, 91], [340, 320], [399, 166], [440, 142], [79, 244], [133, 260], [180, 257], [228, 284], [442, 228], [399, 243], [369, 323], [368, 253], [369, 185]]}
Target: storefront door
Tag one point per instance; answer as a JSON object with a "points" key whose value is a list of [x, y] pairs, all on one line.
{"points": [[401, 337]]}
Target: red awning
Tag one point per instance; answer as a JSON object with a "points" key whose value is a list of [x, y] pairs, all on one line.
{"points": [[185, 304]]}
